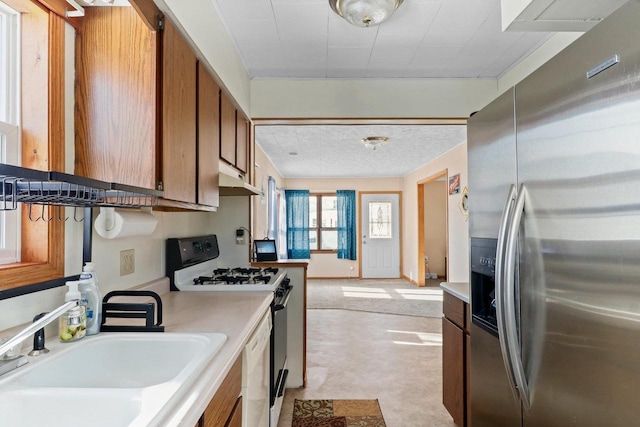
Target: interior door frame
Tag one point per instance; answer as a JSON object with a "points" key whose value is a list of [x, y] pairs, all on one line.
{"points": [[362, 193], [420, 188]]}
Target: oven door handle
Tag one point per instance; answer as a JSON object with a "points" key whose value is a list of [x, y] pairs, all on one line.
{"points": [[285, 374], [278, 307]]}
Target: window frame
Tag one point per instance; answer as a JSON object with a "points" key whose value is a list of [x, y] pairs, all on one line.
{"points": [[319, 228], [9, 129], [42, 131]]}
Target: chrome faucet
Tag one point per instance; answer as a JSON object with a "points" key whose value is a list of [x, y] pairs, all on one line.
{"points": [[39, 323]]}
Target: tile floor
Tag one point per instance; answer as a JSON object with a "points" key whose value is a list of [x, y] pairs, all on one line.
{"points": [[359, 355]]}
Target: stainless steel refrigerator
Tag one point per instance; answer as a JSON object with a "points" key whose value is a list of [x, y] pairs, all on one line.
{"points": [[554, 183]]}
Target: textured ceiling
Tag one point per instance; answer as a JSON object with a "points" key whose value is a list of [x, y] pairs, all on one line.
{"points": [[335, 151], [424, 38]]}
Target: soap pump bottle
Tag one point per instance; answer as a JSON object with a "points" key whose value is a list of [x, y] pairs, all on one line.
{"points": [[91, 299], [72, 325]]}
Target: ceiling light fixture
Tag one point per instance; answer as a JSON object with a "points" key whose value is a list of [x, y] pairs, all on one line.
{"points": [[374, 142], [365, 13]]}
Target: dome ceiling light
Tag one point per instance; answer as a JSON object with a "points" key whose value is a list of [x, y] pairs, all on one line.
{"points": [[374, 142], [365, 13]]}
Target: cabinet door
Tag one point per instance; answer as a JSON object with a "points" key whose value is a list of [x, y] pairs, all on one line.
{"points": [[227, 130], [116, 94], [235, 419], [208, 138], [242, 142], [453, 371], [219, 410], [178, 117]]}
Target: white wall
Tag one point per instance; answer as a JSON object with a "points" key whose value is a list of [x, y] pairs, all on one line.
{"points": [[455, 161], [260, 203], [370, 98]]}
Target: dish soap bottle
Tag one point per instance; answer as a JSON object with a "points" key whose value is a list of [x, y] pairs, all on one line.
{"points": [[72, 325], [91, 299]]}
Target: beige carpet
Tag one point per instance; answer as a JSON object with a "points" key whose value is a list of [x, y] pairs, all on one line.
{"points": [[390, 296], [337, 413]]}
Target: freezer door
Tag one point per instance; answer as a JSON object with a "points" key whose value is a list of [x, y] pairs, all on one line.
{"points": [[493, 404], [491, 156], [579, 160]]}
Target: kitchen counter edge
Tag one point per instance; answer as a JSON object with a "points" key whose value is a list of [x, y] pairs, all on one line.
{"points": [[459, 290], [235, 314]]}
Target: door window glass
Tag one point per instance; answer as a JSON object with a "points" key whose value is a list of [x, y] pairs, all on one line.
{"points": [[380, 220]]}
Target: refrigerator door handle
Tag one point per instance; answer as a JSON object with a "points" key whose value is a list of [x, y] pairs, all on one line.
{"points": [[515, 354], [500, 289]]}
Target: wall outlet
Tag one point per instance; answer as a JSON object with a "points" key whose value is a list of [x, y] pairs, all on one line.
{"points": [[426, 258], [127, 262]]}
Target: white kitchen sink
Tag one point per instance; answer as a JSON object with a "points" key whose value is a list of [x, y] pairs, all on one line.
{"points": [[70, 407], [112, 379]]}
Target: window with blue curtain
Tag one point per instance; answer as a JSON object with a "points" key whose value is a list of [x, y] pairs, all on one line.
{"points": [[346, 224], [297, 224]]}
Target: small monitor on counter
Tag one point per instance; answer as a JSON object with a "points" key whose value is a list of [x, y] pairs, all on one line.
{"points": [[265, 250]]}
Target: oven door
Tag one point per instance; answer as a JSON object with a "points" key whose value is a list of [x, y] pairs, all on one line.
{"points": [[279, 338], [278, 352]]}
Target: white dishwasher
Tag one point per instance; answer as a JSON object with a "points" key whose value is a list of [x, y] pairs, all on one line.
{"points": [[255, 376]]}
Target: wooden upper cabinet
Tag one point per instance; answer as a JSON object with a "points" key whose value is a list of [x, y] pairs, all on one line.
{"points": [[178, 117], [242, 136], [227, 129], [116, 94], [208, 138]]}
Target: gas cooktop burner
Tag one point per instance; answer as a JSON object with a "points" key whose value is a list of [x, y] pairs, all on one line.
{"points": [[238, 276]]}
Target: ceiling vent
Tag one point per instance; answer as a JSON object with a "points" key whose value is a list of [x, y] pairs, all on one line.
{"points": [[555, 15]]}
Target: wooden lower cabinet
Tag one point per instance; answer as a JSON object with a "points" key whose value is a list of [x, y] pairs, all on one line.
{"points": [[225, 408], [453, 371], [456, 362], [235, 420]]}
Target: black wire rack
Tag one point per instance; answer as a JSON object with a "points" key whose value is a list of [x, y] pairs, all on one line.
{"points": [[30, 186]]}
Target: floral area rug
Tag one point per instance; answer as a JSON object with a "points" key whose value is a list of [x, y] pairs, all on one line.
{"points": [[337, 413]]}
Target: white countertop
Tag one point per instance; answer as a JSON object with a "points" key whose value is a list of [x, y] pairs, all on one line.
{"points": [[235, 314], [459, 290]]}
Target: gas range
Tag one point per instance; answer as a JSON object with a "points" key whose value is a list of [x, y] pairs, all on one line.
{"points": [[192, 266]]}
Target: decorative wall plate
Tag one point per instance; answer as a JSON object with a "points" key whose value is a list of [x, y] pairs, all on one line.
{"points": [[464, 202]]}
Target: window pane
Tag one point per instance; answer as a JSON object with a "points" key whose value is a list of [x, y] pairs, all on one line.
{"points": [[329, 239], [329, 212], [380, 220], [313, 211], [313, 240]]}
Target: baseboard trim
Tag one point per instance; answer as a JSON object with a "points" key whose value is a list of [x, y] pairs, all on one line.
{"points": [[413, 282]]}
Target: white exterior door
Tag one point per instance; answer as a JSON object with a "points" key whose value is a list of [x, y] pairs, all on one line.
{"points": [[380, 233]]}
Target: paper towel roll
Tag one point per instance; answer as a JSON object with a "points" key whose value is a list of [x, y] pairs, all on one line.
{"points": [[112, 224]]}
